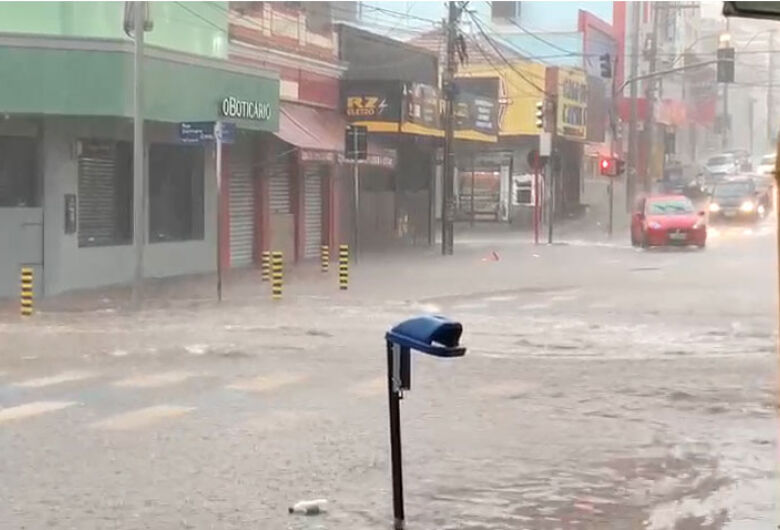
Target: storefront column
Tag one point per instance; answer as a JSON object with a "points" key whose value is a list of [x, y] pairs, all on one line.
{"points": [[224, 210], [330, 211], [262, 206], [297, 192]]}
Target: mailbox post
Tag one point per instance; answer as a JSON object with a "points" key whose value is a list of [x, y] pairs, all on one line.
{"points": [[434, 335]]}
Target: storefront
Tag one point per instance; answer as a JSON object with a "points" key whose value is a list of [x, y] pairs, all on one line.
{"points": [[499, 172], [406, 118], [66, 186], [303, 180]]}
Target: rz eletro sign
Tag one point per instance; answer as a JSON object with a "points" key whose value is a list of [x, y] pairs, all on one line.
{"points": [[232, 107]]}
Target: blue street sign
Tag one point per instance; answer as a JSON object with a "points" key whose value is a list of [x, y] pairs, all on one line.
{"points": [[199, 132], [196, 132], [225, 131]]}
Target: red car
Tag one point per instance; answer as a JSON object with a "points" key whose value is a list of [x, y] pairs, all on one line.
{"points": [[663, 220]]}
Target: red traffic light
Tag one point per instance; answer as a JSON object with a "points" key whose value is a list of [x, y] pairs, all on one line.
{"points": [[611, 167], [607, 166]]}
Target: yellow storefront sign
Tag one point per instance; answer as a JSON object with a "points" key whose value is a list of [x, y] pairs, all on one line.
{"points": [[518, 92], [572, 103]]}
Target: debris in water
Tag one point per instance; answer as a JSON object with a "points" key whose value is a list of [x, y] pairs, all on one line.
{"points": [[312, 507]]}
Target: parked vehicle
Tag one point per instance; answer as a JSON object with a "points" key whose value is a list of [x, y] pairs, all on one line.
{"points": [[742, 158], [720, 166], [664, 220], [767, 164], [765, 190], [737, 199]]}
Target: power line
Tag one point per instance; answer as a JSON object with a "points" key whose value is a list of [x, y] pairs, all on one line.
{"points": [[501, 55], [486, 56], [540, 39], [199, 16], [396, 13]]}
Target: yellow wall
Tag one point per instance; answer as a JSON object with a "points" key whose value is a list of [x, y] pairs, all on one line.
{"points": [[517, 96], [572, 98]]}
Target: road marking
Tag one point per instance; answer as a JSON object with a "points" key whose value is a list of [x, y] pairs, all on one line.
{"points": [[266, 383], [372, 387], [137, 419], [154, 380], [32, 409], [64, 377]]}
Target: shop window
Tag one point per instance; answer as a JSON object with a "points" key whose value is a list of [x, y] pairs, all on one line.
{"points": [[175, 193], [318, 17], [18, 174], [105, 193]]}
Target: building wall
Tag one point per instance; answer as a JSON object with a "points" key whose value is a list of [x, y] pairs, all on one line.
{"points": [[21, 231], [69, 267], [176, 26]]}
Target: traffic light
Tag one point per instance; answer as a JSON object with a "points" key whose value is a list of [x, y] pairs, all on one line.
{"points": [[607, 166], [606, 65], [725, 65], [611, 167], [540, 115]]}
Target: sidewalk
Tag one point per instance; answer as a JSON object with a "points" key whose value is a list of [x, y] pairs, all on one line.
{"points": [[406, 273]]}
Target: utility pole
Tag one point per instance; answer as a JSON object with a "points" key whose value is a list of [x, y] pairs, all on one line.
{"points": [[448, 199], [139, 180], [770, 97], [650, 95], [751, 118], [613, 122], [726, 136], [632, 120]]}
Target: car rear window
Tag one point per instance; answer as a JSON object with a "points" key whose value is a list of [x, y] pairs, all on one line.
{"points": [[670, 207], [720, 160], [732, 189]]}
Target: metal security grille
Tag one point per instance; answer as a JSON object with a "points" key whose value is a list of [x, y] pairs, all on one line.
{"points": [[312, 208], [279, 187], [242, 214], [97, 194]]}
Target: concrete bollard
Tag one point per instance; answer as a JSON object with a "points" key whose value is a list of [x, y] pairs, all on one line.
{"points": [[277, 271], [343, 267], [26, 297], [265, 266], [324, 258]]}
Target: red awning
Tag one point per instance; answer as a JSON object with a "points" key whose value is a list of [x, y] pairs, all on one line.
{"points": [[310, 128]]}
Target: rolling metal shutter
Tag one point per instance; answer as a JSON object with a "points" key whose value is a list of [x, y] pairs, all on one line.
{"points": [[96, 192], [312, 209], [279, 187], [242, 214]]}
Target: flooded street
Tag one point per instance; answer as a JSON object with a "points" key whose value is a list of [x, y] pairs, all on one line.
{"points": [[604, 388]]}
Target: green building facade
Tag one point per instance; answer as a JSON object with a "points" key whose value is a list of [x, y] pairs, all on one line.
{"points": [[66, 107]]}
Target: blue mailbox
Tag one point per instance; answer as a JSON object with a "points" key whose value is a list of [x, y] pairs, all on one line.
{"points": [[431, 334]]}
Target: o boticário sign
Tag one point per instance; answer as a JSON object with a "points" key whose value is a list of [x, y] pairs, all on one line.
{"points": [[233, 107]]}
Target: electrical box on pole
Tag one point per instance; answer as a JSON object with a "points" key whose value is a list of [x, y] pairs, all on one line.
{"points": [[726, 65]]}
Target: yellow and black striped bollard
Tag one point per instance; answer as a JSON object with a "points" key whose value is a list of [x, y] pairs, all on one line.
{"points": [[343, 267], [276, 275], [265, 266], [324, 258], [27, 292]]}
